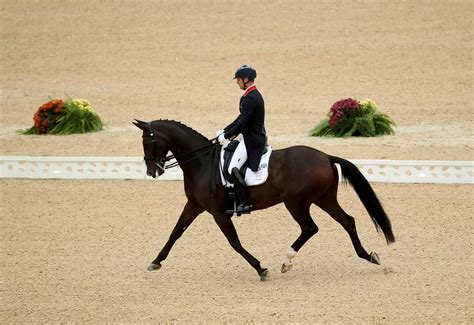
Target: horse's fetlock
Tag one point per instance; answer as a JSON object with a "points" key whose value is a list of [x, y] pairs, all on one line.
{"points": [[289, 256], [311, 229]]}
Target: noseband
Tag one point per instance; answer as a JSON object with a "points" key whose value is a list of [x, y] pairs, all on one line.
{"points": [[159, 163]]}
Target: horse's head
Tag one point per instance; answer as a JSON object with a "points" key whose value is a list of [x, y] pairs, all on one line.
{"points": [[154, 147]]}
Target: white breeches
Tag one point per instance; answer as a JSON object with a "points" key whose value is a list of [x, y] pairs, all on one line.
{"points": [[239, 157]]}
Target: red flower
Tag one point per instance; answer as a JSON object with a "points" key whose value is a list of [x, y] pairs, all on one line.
{"points": [[45, 117]]}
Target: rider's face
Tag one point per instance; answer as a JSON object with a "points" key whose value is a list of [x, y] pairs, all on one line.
{"points": [[240, 82]]}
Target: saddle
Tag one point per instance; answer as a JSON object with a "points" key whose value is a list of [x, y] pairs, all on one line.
{"points": [[251, 178]]}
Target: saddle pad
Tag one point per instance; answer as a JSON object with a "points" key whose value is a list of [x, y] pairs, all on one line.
{"points": [[251, 178]]}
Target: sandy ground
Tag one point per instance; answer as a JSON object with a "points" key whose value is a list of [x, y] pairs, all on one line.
{"points": [[76, 251], [72, 254]]}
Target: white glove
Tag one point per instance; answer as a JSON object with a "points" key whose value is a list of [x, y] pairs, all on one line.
{"points": [[219, 132], [221, 138]]}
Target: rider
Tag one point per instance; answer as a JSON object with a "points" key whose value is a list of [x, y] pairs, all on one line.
{"points": [[250, 124]]}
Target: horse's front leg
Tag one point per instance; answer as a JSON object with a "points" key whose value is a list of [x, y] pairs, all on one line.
{"points": [[227, 227], [190, 212]]}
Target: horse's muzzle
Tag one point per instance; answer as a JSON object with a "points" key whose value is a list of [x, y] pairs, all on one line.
{"points": [[152, 173]]}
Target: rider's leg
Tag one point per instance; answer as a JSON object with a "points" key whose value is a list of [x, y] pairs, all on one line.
{"points": [[238, 160], [239, 185]]}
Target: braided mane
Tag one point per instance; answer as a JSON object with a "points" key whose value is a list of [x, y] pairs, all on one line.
{"points": [[182, 126]]}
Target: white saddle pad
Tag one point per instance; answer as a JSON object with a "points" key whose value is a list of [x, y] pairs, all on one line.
{"points": [[251, 178]]}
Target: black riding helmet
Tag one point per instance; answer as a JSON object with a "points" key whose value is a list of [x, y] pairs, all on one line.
{"points": [[246, 71]]}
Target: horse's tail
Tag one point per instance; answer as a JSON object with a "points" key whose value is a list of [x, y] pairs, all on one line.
{"points": [[367, 195]]}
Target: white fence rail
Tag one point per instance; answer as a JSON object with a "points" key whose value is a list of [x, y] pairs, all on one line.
{"points": [[387, 171], [417, 171]]}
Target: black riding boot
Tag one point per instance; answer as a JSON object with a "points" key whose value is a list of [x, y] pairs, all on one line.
{"points": [[241, 191]]}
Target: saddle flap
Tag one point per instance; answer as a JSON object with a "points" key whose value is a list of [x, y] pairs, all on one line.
{"points": [[228, 152], [251, 178]]}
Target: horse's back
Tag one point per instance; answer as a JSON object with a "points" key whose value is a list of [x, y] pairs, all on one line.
{"points": [[301, 166], [298, 156]]}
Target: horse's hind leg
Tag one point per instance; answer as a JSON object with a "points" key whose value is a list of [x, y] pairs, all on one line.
{"points": [[331, 206], [301, 214]]}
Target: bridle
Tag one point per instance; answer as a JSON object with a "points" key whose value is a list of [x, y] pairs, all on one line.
{"points": [[160, 164], [184, 157]]}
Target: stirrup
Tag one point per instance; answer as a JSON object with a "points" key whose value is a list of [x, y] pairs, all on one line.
{"points": [[243, 209]]}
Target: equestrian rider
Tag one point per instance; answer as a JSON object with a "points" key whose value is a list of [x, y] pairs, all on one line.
{"points": [[250, 124]]}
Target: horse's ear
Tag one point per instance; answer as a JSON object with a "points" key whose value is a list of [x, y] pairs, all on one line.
{"points": [[140, 124]]}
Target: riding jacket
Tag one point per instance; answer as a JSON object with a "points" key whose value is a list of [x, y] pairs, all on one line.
{"points": [[251, 124]]}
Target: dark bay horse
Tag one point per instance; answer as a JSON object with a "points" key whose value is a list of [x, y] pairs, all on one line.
{"points": [[298, 176]]}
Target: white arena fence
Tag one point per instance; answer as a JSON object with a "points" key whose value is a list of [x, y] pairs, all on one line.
{"points": [[386, 171]]}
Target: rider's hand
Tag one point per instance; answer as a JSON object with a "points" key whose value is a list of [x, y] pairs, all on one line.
{"points": [[221, 138]]}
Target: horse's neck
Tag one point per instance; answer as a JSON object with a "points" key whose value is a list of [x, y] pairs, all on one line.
{"points": [[182, 139]]}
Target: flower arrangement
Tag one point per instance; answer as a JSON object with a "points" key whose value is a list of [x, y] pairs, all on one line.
{"points": [[349, 117], [46, 115], [65, 117]]}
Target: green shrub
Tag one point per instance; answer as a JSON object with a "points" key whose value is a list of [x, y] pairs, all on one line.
{"points": [[65, 117], [349, 117]]}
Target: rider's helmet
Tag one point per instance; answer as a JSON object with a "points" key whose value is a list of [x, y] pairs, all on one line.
{"points": [[246, 71]]}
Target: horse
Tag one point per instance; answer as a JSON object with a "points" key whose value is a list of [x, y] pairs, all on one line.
{"points": [[299, 176]]}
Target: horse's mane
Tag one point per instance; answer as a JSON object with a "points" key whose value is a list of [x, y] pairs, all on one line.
{"points": [[182, 126]]}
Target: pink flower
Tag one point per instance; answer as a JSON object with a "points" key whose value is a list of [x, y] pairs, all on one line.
{"points": [[339, 109]]}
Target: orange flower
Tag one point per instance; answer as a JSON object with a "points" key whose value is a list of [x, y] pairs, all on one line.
{"points": [[46, 115]]}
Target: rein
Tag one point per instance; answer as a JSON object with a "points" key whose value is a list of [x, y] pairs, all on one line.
{"points": [[161, 164], [183, 155]]}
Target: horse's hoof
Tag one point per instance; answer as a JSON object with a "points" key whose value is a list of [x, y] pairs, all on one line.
{"points": [[154, 267], [374, 258], [263, 275], [286, 267]]}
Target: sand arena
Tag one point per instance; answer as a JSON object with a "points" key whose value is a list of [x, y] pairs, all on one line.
{"points": [[77, 251]]}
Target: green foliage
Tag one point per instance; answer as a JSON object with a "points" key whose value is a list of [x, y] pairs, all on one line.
{"points": [[29, 131], [77, 118], [322, 129], [70, 117], [364, 121]]}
